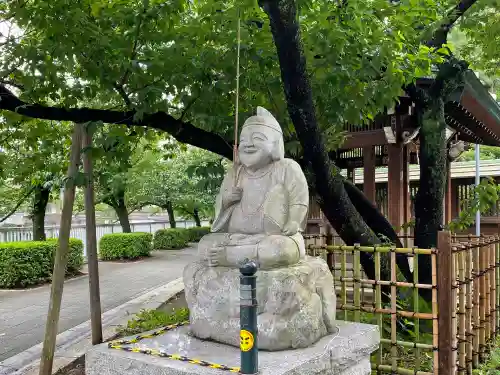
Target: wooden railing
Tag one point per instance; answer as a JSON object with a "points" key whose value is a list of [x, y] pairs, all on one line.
{"points": [[449, 335]]}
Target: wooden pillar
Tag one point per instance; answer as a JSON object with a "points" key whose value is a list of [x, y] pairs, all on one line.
{"points": [[406, 191], [447, 196], [395, 185], [369, 172], [454, 198], [351, 175], [445, 277]]}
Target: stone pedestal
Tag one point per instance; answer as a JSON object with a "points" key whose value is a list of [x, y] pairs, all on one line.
{"points": [[345, 352], [296, 304]]}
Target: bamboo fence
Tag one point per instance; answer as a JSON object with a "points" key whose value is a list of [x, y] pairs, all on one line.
{"points": [[450, 335]]}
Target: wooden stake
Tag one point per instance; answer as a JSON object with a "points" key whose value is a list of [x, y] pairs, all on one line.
{"points": [[394, 317], [416, 308], [93, 266], [357, 286], [487, 295], [445, 304], [468, 309], [482, 302], [435, 325], [497, 285], [460, 257], [492, 298], [61, 257], [475, 303], [343, 273], [378, 305]]}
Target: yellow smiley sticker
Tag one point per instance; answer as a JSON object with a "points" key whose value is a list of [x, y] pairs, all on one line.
{"points": [[246, 340]]}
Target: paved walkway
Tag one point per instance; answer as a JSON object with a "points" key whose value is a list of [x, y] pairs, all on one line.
{"points": [[23, 313]]}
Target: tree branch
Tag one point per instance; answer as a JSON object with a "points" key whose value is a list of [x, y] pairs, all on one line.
{"points": [[11, 83], [133, 53], [188, 107], [184, 132], [439, 36], [121, 91], [19, 203], [417, 94]]}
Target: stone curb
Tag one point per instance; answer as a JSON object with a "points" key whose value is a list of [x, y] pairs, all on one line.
{"points": [[76, 341]]}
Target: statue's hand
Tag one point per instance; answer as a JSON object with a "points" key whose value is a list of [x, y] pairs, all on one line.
{"points": [[291, 228], [215, 256], [232, 195]]}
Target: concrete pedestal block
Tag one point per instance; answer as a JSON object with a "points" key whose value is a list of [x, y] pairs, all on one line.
{"points": [[345, 352]]}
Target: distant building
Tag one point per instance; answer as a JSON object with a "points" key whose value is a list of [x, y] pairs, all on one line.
{"points": [[462, 184]]}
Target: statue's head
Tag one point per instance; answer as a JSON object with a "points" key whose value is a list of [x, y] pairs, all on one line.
{"points": [[261, 140]]}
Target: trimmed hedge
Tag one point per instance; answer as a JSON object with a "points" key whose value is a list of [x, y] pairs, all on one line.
{"points": [[27, 263], [178, 238], [173, 238], [196, 233], [125, 245]]}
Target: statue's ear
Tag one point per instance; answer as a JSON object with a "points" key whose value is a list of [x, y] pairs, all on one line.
{"points": [[278, 151]]}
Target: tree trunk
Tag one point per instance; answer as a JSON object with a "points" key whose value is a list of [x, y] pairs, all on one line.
{"points": [[328, 182], [196, 217], [433, 159], [41, 200], [171, 214], [122, 213], [379, 224], [117, 201], [430, 195]]}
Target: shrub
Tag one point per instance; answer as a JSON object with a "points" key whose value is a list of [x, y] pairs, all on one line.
{"points": [[27, 263], [147, 320], [196, 233], [125, 245], [173, 238]]}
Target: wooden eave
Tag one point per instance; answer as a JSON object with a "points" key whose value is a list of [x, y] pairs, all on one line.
{"points": [[472, 111], [476, 109]]}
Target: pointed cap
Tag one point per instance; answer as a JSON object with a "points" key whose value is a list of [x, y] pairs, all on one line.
{"points": [[264, 118]]}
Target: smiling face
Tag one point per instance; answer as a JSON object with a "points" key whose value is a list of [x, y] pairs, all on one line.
{"points": [[256, 146]]}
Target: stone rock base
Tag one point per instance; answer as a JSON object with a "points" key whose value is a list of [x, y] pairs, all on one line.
{"points": [[346, 352], [296, 305]]}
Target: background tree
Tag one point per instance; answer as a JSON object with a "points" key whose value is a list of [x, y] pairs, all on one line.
{"points": [[147, 55], [113, 152], [183, 181], [35, 156]]}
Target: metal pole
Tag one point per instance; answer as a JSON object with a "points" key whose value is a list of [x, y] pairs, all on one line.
{"points": [[248, 318], [478, 174]]}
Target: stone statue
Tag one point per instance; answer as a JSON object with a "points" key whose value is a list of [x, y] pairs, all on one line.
{"points": [[261, 217], [261, 211]]}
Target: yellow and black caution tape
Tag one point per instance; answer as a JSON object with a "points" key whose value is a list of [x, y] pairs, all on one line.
{"points": [[119, 344], [150, 335]]}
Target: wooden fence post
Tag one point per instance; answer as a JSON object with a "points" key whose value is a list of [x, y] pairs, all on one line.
{"points": [[61, 256], [93, 266], [445, 304]]}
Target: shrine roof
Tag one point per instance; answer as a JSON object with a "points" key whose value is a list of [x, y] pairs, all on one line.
{"points": [[472, 111]]}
